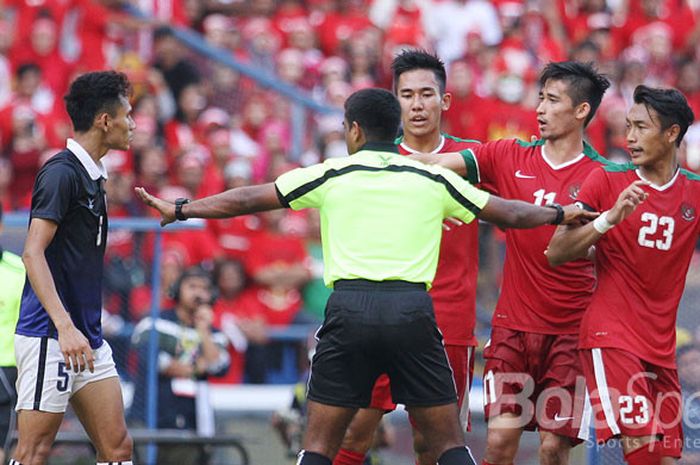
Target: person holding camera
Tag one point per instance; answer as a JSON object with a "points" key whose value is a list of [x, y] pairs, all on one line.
{"points": [[190, 349]]}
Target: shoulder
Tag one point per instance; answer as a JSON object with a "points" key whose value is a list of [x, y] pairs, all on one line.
{"points": [[13, 262], [456, 143], [691, 176], [60, 164], [513, 145]]}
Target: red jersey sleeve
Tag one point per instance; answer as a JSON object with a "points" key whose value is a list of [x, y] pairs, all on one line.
{"points": [[590, 196], [491, 160]]}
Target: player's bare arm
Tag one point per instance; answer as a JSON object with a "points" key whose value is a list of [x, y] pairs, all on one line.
{"points": [[233, 202], [518, 214], [74, 345], [451, 160], [572, 242]]}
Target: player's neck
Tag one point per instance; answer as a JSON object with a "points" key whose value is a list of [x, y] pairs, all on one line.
{"points": [[661, 172], [424, 144], [563, 149], [92, 145]]}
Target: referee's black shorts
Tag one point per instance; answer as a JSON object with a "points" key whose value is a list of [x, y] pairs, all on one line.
{"points": [[8, 399], [380, 327]]}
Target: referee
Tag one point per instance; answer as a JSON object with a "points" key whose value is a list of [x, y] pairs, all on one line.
{"points": [[12, 279], [381, 224]]}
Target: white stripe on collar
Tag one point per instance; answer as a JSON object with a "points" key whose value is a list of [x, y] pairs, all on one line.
{"points": [[95, 170], [654, 186], [435, 150], [562, 165]]}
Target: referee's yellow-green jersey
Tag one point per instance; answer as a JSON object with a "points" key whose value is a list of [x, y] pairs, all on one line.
{"points": [[381, 213], [11, 283]]}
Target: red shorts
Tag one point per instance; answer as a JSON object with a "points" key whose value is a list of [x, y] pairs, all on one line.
{"points": [[461, 360], [538, 378], [631, 397]]}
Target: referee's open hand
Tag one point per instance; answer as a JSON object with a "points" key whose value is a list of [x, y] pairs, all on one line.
{"points": [[166, 209]]}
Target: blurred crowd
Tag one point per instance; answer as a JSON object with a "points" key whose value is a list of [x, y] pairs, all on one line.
{"points": [[202, 127]]}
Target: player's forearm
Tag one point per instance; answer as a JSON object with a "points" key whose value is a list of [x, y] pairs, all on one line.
{"points": [[234, 202], [451, 160], [571, 243], [40, 277], [516, 214]]}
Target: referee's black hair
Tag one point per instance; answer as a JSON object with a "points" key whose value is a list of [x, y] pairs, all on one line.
{"points": [[585, 83], [671, 106], [95, 93], [412, 59], [376, 111]]}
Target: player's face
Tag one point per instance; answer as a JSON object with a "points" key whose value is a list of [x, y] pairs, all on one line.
{"points": [[421, 102], [121, 126], [556, 114], [646, 141]]}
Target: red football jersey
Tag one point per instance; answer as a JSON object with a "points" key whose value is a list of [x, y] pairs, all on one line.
{"points": [[641, 264], [454, 286], [534, 296]]}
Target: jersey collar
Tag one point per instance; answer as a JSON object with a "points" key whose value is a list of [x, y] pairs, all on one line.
{"points": [[654, 186], [380, 147], [566, 163], [435, 150], [95, 170]]}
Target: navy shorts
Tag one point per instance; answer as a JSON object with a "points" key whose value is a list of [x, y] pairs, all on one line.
{"points": [[380, 327]]}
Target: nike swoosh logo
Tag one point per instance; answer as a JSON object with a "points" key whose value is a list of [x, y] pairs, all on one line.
{"points": [[558, 418], [520, 175]]}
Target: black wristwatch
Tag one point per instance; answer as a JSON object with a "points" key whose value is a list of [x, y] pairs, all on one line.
{"points": [[178, 208], [560, 213]]}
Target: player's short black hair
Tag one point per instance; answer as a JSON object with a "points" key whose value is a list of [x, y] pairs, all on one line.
{"points": [[411, 59], [93, 93], [585, 83], [671, 106], [376, 111]]}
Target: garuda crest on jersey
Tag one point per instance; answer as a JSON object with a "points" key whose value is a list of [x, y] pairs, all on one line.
{"points": [[687, 211], [574, 190]]}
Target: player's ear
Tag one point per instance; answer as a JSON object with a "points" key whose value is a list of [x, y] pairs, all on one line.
{"points": [[582, 110], [446, 101], [103, 121], [672, 133]]}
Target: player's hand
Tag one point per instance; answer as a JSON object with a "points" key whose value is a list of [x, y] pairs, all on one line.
{"points": [[447, 224], [577, 216], [166, 209], [627, 202], [76, 349]]}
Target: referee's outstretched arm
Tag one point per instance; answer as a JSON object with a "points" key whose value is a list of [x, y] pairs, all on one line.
{"points": [[233, 202]]}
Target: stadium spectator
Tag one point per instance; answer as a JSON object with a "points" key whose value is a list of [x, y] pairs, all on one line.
{"points": [[243, 324], [190, 349], [388, 275], [59, 336], [628, 334], [12, 276]]}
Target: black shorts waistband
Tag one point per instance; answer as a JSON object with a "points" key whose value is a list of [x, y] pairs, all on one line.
{"points": [[367, 285]]}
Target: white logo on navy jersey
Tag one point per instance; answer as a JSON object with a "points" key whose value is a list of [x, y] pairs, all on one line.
{"points": [[91, 203]]}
